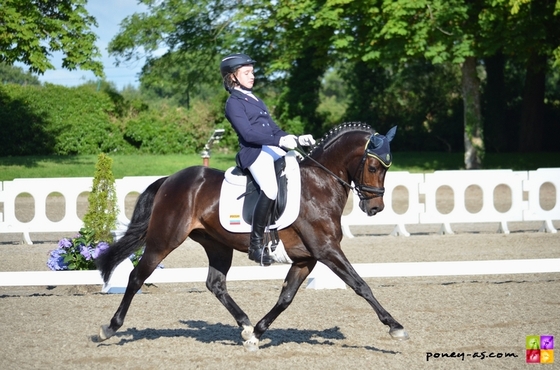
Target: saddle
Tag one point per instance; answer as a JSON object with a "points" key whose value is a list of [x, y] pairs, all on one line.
{"points": [[240, 192], [253, 190]]}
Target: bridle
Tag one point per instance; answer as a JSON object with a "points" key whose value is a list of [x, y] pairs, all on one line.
{"points": [[361, 188]]}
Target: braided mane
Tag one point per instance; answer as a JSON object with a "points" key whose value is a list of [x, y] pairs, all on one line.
{"points": [[334, 133]]}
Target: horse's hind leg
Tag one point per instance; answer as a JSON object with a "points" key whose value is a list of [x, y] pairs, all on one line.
{"points": [[219, 258], [150, 260]]}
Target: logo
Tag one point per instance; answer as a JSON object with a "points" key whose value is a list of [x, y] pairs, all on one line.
{"points": [[539, 349]]}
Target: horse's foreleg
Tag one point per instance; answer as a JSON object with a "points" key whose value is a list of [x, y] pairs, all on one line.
{"points": [[343, 269], [296, 276], [220, 258]]}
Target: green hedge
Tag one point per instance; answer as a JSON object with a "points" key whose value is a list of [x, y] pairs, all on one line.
{"points": [[53, 119]]}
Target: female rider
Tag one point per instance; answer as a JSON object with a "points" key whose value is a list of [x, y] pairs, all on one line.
{"points": [[260, 141]]}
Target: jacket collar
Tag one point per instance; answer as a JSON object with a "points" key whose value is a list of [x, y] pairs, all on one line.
{"points": [[240, 95]]}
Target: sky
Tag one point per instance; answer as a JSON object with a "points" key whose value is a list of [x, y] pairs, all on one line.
{"points": [[109, 15]]}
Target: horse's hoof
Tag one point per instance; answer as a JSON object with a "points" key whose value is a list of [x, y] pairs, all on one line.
{"points": [[247, 332], [251, 344], [399, 334], [105, 333]]}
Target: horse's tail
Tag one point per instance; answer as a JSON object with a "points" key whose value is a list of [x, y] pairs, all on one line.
{"points": [[135, 235]]}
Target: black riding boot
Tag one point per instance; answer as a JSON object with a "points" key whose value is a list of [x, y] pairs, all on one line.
{"points": [[261, 216]]}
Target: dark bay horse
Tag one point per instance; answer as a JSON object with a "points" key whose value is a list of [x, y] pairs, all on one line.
{"points": [[185, 204]]}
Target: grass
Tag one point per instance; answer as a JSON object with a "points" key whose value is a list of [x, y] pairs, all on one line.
{"points": [[84, 165], [160, 165]]}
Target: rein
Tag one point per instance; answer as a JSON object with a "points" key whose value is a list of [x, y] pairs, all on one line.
{"points": [[360, 188]]}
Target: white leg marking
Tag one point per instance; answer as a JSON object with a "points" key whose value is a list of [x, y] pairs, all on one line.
{"points": [[105, 333], [251, 344], [247, 332], [399, 334]]}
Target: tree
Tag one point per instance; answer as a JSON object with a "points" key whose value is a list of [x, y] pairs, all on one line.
{"points": [[31, 30], [296, 56], [437, 31], [539, 24], [523, 32], [495, 105], [422, 98], [191, 34], [300, 99], [16, 75], [333, 98], [296, 41], [381, 34], [456, 31], [101, 216], [474, 144]]}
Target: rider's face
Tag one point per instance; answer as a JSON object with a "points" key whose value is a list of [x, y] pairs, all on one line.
{"points": [[245, 76]]}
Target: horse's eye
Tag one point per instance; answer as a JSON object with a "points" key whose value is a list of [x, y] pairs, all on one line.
{"points": [[372, 169]]}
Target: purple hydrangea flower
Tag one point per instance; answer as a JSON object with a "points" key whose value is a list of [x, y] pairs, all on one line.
{"points": [[99, 249], [56, 260], [86, 252], [64, 243]]}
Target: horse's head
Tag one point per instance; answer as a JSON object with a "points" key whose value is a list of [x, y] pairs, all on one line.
{"points": [[356, 150], [370, 173]]}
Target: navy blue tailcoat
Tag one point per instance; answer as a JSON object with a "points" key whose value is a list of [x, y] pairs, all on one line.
{"points": [[252, 123]]}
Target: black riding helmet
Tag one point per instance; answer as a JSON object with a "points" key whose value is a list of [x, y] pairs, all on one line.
{"points": [[233, 61]]}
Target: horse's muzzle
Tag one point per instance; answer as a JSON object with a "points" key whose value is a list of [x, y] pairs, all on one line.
{"points": [[372, 206]]}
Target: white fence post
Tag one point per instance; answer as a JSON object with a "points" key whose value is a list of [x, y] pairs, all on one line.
{"points": [[459, 181], [532, 186], [40, 189], [70, 188], [411, 182]]}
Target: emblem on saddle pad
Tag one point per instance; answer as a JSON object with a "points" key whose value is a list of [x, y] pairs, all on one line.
{"points": [[239, 194]]}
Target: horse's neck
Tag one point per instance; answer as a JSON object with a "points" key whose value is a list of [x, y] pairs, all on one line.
{"points": [[340, 166], [339, 160]]}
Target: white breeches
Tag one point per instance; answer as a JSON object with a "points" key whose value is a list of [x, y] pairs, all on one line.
{"points": [[263, 170]]}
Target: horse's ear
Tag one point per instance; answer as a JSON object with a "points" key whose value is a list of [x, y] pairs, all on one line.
{"points": [[391, 133], [377, 142]]}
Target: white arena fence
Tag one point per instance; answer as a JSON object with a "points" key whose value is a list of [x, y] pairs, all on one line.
{"points": [[522, 187]]}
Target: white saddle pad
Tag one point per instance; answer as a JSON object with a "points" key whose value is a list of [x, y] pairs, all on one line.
{"points": [[231, 208]]}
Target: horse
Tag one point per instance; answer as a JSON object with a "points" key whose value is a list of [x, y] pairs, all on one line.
{"points": [[185, 204]]}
